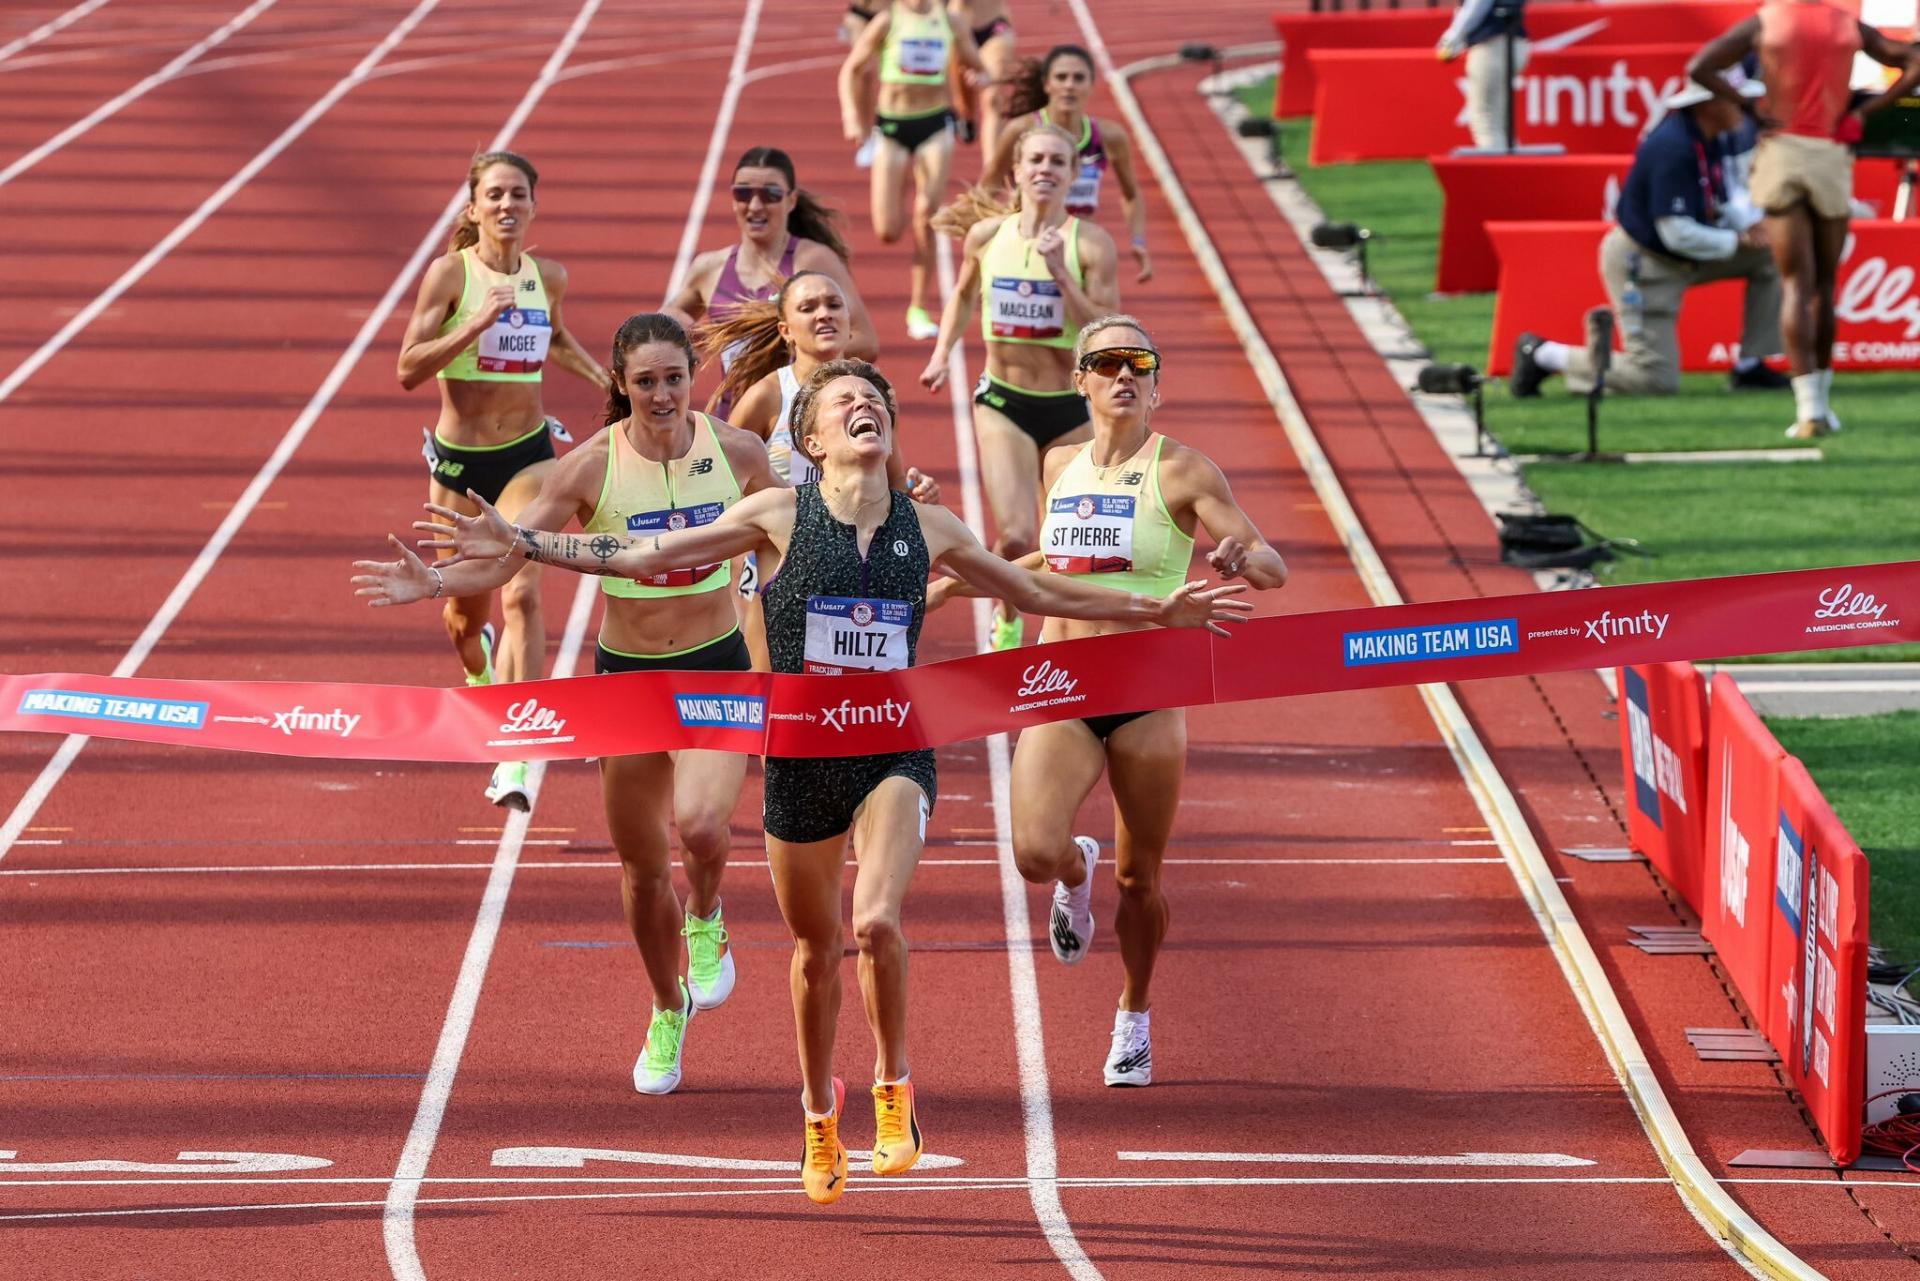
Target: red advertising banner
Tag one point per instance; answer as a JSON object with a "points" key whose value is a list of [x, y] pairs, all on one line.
{"points": [[990, 693], [1816, 991], [1613, 24], [1404, 104], [1663, 744], [1550, 276], [1477, 190], [1743, 766]]}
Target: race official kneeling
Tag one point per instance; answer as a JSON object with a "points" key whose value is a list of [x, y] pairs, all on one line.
{"points": [[1683, 219]]}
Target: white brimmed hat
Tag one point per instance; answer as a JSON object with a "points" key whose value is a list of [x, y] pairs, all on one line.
{"points": [[1693, 93]]}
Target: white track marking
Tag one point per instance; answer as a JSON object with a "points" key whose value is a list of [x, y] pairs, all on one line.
{"points": [[397, 1216], [1547, 1159], [1036, 1098], [214, 203], [577, 1158], [189, 1163], [138, 91], [606, 865], [49, 28], [163, 618]]}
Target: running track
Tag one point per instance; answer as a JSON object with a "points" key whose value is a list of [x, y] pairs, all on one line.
{"points": [[215, 954]]}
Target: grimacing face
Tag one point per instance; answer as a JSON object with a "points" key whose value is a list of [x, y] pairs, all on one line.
{"points": [[852, 422], [1126, 392], [815, 317]]}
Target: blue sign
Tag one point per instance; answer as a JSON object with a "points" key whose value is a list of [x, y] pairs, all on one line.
{"points": [[1440, 640]]}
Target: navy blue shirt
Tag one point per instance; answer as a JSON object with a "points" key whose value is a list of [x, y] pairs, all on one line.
{"points": [[1676, 172], [1504, 16]]}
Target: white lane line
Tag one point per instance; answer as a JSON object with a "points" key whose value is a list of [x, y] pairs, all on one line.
{"points": [[1036, 1098], [608, 865], [397, 1215], [576, 1158], [176, 601], [1552, 1160], [138, 91], [716, 142], [213, 204], [51, 27]]}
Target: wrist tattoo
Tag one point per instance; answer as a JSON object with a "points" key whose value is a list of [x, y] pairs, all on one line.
{"points": [[530, 544]]}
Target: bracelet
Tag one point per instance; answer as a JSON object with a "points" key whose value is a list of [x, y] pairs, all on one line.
{"points": [[505, 556], [439, 583]]}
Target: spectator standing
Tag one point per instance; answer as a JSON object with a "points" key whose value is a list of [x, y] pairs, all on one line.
{"points": [[1682, 220], [1486, 31], [1802, 170]]}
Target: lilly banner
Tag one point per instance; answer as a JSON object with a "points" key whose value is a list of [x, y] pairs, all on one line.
{"points": [[990, 693]]}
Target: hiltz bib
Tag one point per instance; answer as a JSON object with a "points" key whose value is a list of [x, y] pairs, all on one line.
{"points": [[856, 634]]}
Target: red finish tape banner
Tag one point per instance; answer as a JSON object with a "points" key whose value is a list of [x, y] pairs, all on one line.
{"points": [[1477, 190], [1550, 276], [1562, 24], [991, 693], [1663, 746], [1743, 772], [1815, 1002]]}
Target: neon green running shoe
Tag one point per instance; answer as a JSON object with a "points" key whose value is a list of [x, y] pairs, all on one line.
{"points": [[485, 675], [657, 1070], [1007, 632], [709, 969], [508, 787], [921, 327]]}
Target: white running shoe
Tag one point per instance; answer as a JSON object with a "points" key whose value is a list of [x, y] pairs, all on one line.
{"points": [[1071, 929], [1130, 1061], [863, 158], [508, 787], [709, 970], [657, 1070]]}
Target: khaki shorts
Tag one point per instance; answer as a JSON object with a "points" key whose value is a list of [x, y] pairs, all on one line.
{"points": [[1789, 168]]}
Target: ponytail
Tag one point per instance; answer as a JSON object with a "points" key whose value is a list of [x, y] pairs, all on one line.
{"points": [[465, 231], [810, 219], [638, 331], [752, 330]]}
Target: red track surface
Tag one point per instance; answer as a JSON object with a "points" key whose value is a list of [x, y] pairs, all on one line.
{"points": [[1385, 1002]]}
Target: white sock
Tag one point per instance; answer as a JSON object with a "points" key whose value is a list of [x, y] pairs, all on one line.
{"points": [[1826, 387], [1134, 1018], [1809, 398], [711, 917], [902, 1080], [1552, 356], [811, 1114]]}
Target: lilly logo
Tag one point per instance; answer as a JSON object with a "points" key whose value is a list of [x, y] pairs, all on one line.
{"points": [[1844, 602], [530, 718], [1876, 293], [1044, 678]]}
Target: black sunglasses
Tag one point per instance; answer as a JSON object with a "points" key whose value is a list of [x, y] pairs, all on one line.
{"points": [[772, 194], [1109, 361]]}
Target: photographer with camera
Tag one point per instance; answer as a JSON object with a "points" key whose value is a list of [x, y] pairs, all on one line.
{"points": [[1682, 220]]}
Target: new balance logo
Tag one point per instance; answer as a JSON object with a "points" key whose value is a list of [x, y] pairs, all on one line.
{"points": [[529, 285], [700, 467], [1064, 938], [1134, 1062], [1132, 477]]}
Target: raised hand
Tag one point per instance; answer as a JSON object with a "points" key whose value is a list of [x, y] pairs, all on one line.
{"points": [[395, 582], [1229, 558], [1195, 604], [922, 488], [499, 300], [488, 536], [934, 376]]}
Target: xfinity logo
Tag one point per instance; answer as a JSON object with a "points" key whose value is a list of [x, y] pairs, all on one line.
{"points": [[333, 722], [1617, 98], [1044, 678], [531, 718], [1844, 602], [850, 713], [1608, 627]]}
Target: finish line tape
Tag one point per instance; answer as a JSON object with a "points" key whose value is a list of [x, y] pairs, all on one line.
{"points": [[969, 698]]}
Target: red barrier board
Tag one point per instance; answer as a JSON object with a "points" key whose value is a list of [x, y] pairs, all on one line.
{"points": [[1663, 744], [1477, 190], [1743, 767], [1404, 104], [989, 693], [1614, 24], [1816, 995], [1550, 276]]}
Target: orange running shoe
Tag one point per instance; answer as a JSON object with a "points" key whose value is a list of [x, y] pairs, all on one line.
{"points": [[897, 1142], [823, 1162]]}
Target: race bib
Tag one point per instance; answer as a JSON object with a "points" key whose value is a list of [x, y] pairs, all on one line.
{"points": [[923, 56], [790, 462], [852, 634], [1089, 534], [1083, 196], [516, 343], [666, 522], [1020, 308]]}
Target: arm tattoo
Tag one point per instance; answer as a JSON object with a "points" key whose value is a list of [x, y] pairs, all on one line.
{"points": [[530, 538], [604, 547]]}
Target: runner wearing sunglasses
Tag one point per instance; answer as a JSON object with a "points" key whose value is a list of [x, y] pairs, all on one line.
{"points": [[484, 326], [848, 558], [912, 42], [1121, 513], [657, 465], [1037, 273], [1055, 90], [783, 229]]}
